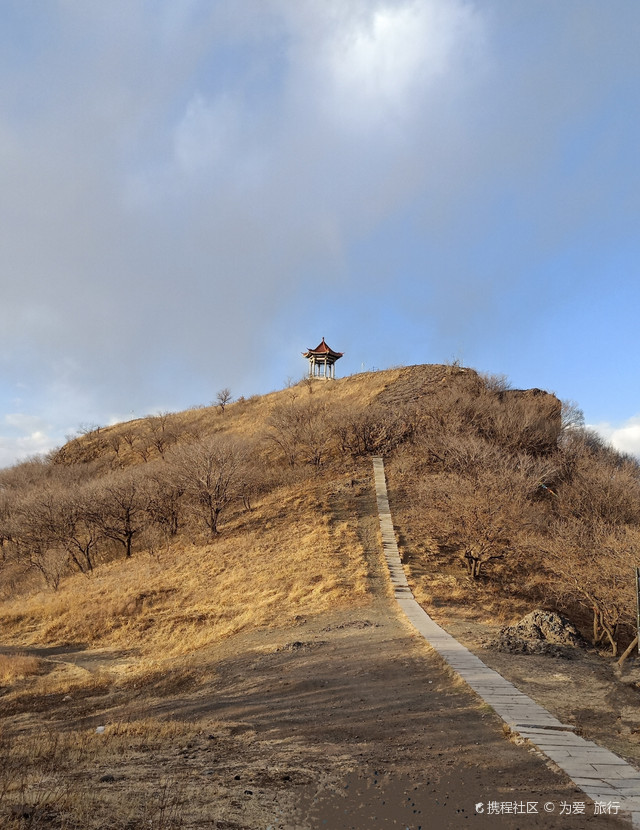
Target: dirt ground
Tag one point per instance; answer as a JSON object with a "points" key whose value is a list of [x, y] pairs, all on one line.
{"points": [[345, 720], [583, 688]]}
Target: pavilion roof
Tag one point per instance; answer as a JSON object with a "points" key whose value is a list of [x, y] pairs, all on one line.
{"points": [[323, 349]]}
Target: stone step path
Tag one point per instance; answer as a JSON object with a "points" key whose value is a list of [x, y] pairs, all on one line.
{"points": [[600, 774]]}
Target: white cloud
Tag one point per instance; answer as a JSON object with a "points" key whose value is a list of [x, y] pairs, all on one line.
{"points": [[205, 133], [625, 437], [24, 422], [192, 170], [24, 435], [381, 58], [366, 62]]}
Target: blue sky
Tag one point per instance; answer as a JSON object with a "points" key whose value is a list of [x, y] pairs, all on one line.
{"points": [[194, 192]]}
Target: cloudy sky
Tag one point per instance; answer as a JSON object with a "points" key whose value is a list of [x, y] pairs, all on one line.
{"points": [[192, 192]]}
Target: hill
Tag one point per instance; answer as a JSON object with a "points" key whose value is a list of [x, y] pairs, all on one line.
{"points": [[167, 513], [138, 559]]}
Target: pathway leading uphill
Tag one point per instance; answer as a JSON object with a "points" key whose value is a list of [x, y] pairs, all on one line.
{"points": [[599, 773]]}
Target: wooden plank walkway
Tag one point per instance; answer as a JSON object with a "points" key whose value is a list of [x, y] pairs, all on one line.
{"points": [[603, 776]]}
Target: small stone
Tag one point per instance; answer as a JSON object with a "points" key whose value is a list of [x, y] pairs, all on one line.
{"points": [[107, 779]]}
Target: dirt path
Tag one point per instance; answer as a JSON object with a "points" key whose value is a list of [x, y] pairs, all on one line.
{"points": [[348, 720]]}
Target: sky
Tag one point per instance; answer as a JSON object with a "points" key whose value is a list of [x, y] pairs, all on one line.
{"points": [[194, 192]]}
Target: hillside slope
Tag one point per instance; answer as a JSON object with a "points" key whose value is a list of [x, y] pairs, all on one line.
{"points": [[338, 718], [169, 514], [209, 586], [195, 525]]}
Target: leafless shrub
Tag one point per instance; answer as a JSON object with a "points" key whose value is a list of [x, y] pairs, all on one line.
{"points": [[301, 431], [572, 416], [591, 564], [598, 483], [285, 429], [364, 431], [495, 383], [166, 492], [208, 470], [222, 399], [117, 506], [161, 434], [483, 517]]}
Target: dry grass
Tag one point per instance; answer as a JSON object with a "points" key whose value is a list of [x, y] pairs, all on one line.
{"points": [[240, 419], [142, 628], [81, 779], [17, 666], [283, 559]]}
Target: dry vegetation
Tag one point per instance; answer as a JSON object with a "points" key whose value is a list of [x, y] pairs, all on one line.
{"points": [[183, 529], [43, 778], [17, 666], [282, 559], [186, 541], [166, 535], [504, 502]]}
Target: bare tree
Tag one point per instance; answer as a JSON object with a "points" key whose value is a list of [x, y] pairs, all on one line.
{"points": [[58, 517], [118, 507], [130, 436], [302, 430], [161, 435], [223, 398], [477, 524], [165, 497], [253, 476], [572, 416], [33, 537], [484, 506], [72, 526], [285, 429], [115, 443], [209, 471], [89, 429], [5, 520]]}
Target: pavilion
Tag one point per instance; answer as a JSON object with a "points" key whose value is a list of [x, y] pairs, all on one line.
{"points": [[322, 361]]}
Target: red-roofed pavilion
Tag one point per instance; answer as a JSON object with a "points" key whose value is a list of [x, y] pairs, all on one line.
{"points": [[322, 361]]}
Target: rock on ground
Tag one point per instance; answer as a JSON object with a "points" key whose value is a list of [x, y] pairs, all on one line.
{"points": [[540, 632]]}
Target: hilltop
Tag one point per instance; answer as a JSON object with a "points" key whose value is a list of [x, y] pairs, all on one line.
{"points": [[160, 575]]}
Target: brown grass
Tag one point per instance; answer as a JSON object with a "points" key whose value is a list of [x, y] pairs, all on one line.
{"points": [[297, 553], [55, 779], [17, 666], [283, 559], [240, 419]]}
